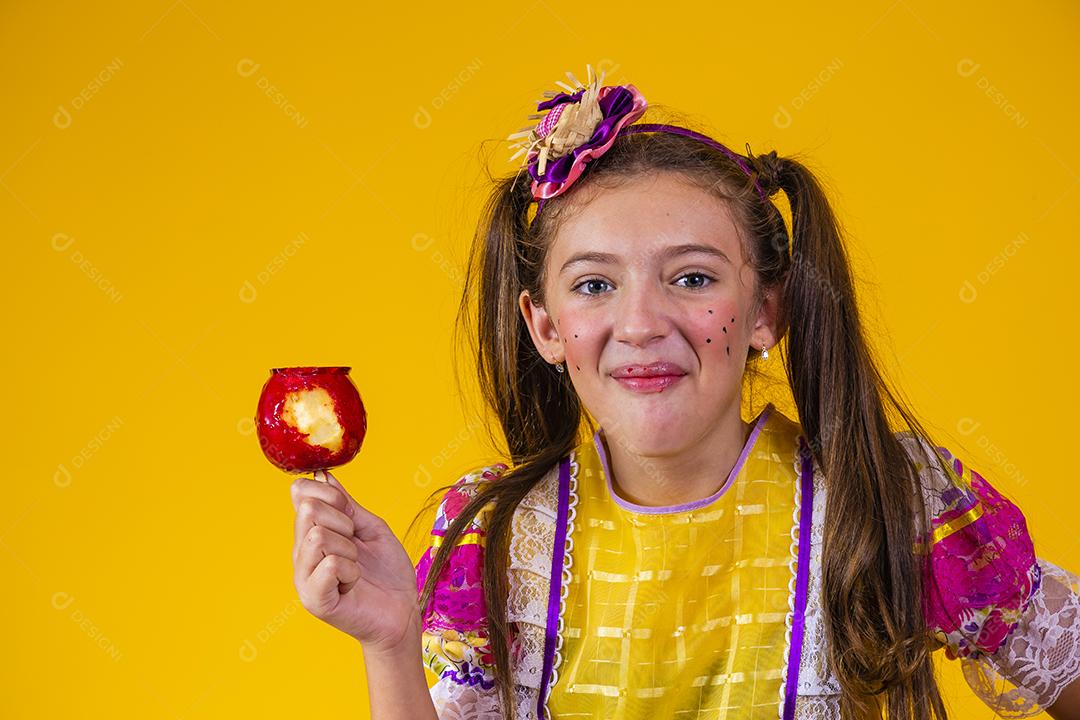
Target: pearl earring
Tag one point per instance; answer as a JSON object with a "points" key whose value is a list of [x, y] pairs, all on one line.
{"points": [[559, 366], [764, 352]]}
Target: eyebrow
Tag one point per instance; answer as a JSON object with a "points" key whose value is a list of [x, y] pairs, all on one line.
{"points": [[667, 253]]}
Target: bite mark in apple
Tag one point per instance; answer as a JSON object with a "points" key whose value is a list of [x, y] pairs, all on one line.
{"points": [[311, 412]]}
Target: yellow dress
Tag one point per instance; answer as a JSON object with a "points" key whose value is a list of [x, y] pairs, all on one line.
{"points": [[683, 611], [714, 609]]}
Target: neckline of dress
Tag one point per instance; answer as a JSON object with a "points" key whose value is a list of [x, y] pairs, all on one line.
{"points": [[759, 424]]}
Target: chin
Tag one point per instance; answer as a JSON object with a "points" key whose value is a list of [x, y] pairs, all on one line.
{"points": [[655, 433]]}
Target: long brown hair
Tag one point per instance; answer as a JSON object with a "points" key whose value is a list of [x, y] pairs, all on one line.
{"points": [[878, 644]]}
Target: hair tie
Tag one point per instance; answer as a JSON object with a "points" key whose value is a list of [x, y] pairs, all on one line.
{"points": [[769, 168], [581, 124]]}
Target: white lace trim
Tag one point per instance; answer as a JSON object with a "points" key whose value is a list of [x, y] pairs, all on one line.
{"points": [[465, 702], [815, 677], [567, 576], [529, 569], [817, 707], [1040, 657]]}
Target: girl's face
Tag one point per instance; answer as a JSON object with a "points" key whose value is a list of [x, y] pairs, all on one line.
{"points": [[651, 271]]}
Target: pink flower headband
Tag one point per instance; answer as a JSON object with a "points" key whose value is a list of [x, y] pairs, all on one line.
{"points": [[580, 125]]}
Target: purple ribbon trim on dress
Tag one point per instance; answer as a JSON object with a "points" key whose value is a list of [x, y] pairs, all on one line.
{"points": [[555, 590], [802, 579], [469, 675]]}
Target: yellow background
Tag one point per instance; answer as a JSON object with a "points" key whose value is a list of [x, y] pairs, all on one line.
{"points": [[195, 192]]}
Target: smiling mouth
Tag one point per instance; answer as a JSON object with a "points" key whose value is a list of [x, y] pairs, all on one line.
{"points": [[650, 383]]}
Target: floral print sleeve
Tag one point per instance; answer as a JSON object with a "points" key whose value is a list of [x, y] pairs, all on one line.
{"points": [[982, 572], [1011, 617], [454, 624]]}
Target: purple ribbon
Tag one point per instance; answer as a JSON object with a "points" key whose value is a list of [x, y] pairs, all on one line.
{"points": [[802, 580], [559, 170], [613, 106], [555, 589]]}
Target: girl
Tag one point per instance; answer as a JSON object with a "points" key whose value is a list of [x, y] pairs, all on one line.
{"points": [[646, 552]]}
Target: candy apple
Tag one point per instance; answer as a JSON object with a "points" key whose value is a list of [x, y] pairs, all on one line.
{"points": [[310, 418]]}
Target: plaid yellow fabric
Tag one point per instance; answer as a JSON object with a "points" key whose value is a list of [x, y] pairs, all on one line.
{"points": [[682, 613]]}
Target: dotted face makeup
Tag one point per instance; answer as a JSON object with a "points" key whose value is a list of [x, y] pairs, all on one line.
{"points": [[723, 329], [708, 340]]}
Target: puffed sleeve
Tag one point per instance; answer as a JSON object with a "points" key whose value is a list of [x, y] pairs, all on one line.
{"points": [[454, 624], [1011, 617]]}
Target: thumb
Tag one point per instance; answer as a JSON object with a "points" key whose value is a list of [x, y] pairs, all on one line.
{"points": [[368, 524], [350, 504]]}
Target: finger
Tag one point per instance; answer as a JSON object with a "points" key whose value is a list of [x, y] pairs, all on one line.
{"points": [[345, 587], [369, 526], [306, 487], [312, 513], [319, 543], [322, 589]]}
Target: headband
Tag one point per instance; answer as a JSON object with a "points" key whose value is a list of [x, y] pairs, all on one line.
{"points": [[581, 125]]}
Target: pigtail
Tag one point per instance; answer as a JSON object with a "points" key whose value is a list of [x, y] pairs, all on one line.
{"points": [[871, 576], [538, 410], [533, 402]]}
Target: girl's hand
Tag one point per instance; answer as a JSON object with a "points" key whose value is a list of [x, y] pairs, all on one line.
{"points": [[350, 570]]}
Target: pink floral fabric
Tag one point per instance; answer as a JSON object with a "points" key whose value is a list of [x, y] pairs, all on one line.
{"points": [[454, 623], [982, 570]]}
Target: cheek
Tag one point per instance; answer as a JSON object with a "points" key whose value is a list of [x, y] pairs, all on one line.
{"points": [[715, 331], [580, 346]]}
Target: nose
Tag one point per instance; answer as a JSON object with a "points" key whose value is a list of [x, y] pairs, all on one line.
{"points": [[641, 313]]}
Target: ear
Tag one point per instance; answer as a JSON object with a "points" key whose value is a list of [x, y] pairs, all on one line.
{"points": [[765, 330], [545, 335]]}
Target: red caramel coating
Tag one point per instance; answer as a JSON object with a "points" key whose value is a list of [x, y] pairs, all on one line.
{"points": [[322, 400]]}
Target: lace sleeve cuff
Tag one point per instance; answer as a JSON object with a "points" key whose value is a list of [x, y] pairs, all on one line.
{"points": [[1040, 657], [465, 702]]}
